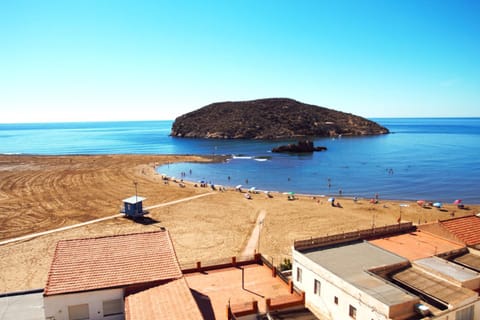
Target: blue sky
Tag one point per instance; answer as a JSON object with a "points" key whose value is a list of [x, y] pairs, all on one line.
{"points": [[152, 60]]}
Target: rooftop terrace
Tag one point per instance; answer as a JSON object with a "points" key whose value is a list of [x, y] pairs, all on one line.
{"points": [[351, 263], [239, 286], [417, 245]]}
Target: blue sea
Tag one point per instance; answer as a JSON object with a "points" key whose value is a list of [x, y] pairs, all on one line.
{"points": [[435, 159]]}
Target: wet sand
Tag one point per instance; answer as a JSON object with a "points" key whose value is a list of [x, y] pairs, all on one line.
{"points": [[39, 193]]}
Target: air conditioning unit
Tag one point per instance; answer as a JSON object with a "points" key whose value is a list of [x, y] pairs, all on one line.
{"points": [[422, 309]]}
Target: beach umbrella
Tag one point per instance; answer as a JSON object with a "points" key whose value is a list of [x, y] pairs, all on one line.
{"points": [[421, 202], [291, 193], [238, 187], [458, 201], [252, 189], [331, 199], [437, 204]]}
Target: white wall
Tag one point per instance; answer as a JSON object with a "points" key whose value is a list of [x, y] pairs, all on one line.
{"points": [[331, 287], [56, 306]]}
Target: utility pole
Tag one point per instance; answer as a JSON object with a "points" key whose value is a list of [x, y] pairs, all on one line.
{"points": [[136, 198]]}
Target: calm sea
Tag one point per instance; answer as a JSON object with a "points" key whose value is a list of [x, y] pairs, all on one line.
{"points": [[434, 159]]}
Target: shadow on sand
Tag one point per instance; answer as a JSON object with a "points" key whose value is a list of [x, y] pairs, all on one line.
{"points": [[143, 220]]}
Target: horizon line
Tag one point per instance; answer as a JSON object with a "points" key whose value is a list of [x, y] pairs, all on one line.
{"points": [[157, 120]]}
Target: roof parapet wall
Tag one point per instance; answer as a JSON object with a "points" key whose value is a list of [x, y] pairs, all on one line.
{"points": [[366, 234]]}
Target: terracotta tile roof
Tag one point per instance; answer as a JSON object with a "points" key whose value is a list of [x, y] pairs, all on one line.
{"points": [[108, 262], [417, 245], [173, 299], [466, 229]]}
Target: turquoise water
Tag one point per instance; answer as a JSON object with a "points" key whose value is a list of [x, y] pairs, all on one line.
{"points": [[435, 159]]}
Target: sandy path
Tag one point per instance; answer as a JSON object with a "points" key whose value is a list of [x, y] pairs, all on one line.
{"points": [[34, 235], [252, 244]]}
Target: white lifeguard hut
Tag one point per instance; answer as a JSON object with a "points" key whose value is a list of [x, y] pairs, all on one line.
{"points": [[133, 207]]}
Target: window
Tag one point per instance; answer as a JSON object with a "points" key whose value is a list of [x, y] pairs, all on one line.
{"points": [[299, 275], [352, 312], [112, 307], [335, 300], [316, 287], [78, 312], [465, 314]]}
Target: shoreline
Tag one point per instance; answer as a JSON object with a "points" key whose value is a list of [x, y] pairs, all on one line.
{"points": [[39, 193]]}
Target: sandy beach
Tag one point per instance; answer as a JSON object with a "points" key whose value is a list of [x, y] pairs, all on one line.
{"points": [[40, 193]]}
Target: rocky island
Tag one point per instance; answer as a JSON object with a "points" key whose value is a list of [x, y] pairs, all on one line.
{"points": [[268, 119], [303, 146]]}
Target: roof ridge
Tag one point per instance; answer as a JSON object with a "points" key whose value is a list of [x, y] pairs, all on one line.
{"points": [[50, 270], [458, 218], [114, 236]]}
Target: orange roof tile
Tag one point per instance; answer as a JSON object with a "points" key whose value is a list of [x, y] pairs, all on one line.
{"points": [[466, 229], [173, 299], [114, 261], [416, 245]]}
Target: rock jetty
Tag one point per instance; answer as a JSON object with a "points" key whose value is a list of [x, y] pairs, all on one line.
{"points": [[268, 119]]}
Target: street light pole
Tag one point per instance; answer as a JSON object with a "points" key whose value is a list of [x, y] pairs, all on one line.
{"points": [[136, 198]]}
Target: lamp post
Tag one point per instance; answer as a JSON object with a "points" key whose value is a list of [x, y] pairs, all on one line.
{"points": [[136, 197]]}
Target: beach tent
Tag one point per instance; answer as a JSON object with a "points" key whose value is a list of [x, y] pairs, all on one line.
{"points": [[331, 199], [421, 202], [458, 201]]}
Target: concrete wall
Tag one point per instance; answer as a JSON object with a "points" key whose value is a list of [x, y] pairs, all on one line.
{"points": [[56, 307], [331, 287]]}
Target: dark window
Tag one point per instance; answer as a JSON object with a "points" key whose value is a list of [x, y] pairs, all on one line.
{"points": [[352, 312], [316, 287], [299, 275]]}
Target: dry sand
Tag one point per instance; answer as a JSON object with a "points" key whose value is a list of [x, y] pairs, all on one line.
{"points": [[39, 193]]}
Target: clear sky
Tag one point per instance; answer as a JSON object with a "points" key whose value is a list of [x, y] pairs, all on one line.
{"points": [[82, 60]]}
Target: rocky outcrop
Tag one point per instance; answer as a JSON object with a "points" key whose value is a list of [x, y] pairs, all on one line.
{"points": [[276, 118], [305, 146]]}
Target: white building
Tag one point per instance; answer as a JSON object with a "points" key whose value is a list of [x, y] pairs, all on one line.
{"points": [[90, 278], [345, 277], [338, 284]]}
